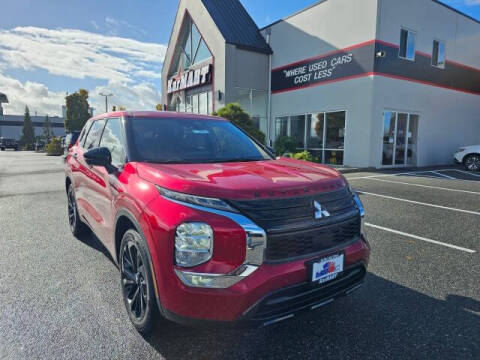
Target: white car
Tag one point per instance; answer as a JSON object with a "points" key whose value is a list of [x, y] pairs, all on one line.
{"points": [[469, 156]]}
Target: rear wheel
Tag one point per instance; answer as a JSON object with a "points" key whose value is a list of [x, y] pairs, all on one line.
{"points": [[472, 162], [137, 282], [77, 227]]}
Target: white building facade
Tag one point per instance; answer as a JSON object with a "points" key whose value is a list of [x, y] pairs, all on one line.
{"points": [[363, 83]]}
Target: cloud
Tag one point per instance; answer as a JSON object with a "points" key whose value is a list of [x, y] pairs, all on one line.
{"points": [[116, 26], [127, 68], [473, 2], [37, 96], [94, 24], [77, 54]]}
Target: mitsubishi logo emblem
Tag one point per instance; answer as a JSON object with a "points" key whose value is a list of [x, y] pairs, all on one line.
{"points": [[319, 212]]}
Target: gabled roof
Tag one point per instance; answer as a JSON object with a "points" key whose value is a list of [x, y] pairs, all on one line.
{"points": [[3, 98], [236, 25]]}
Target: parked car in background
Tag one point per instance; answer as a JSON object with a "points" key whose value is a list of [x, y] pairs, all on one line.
{"points": [[70, 140], [207, 226], [469, 156], [8, 144]]}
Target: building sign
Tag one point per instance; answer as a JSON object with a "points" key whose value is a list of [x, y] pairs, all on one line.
{"points": [[324, 68], [190, 78]]}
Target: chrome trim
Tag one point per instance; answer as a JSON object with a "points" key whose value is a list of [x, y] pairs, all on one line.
{"points": [[256, 239]]}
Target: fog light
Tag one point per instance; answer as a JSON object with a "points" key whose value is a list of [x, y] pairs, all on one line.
{"points": [[193, 244]]}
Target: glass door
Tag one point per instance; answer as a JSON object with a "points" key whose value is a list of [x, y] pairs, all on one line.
{"points": [[400, 136]]}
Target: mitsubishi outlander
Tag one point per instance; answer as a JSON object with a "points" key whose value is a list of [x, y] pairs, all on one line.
{"points": [[207, 226]]}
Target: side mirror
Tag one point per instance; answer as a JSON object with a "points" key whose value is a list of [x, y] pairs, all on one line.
{"points": [[100, 156]]}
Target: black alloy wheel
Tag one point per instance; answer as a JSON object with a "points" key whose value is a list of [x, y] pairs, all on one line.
{"points": [[137, 282], [472, 162], [77, 227]]}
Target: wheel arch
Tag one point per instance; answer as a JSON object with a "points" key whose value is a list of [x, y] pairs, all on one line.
{"points": [[124, 220], [469, 154]]}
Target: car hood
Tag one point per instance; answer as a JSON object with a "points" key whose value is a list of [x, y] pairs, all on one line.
{"points": [[244, 180]]}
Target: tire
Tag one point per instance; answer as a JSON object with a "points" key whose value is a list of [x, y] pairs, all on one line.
{"points": [[77, 227], [136, 281], [472, 162], [3, 149]]}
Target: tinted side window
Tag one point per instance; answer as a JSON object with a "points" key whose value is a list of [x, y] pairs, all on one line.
{"points": [[94, 134], [112, 139], [84, 133]]}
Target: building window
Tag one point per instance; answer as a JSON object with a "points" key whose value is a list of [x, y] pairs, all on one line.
{"points": [[321, 134], [407, 44], [197, 104], [438, 55]]}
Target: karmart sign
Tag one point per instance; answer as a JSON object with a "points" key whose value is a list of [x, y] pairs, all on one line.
{"points": [[190, 79]]}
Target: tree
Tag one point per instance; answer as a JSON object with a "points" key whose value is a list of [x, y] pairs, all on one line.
{"points": [[122, 108], [28, 137], [47, 129], [77, 110], [114, 108], [284, 145], [159, 107], [235, 114]]}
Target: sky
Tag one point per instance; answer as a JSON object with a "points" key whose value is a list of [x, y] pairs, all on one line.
{"points": [[54, 47]]}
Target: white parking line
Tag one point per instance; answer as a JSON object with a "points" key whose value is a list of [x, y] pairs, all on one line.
{"points": [[427, 186], [383, 175], [443, 175], [420, 203], [465, 172], [421, 238]]}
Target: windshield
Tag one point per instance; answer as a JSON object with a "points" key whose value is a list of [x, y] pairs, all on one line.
{"points": [[192, 141]]}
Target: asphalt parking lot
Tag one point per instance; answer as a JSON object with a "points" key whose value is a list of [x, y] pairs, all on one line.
{"points": [[60, 297]]}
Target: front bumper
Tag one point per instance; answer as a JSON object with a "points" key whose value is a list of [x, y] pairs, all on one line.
{"points": [[458, 157], [272, 293]]}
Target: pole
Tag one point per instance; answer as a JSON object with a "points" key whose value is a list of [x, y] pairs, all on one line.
{"points": [[106, 100]]}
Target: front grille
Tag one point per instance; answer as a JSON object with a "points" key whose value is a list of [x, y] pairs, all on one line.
{"points": [[304, 296], [293, 231], [277, 215], [301, 243]]}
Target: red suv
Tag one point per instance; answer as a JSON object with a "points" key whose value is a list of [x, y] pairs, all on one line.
{"points": [[207, 226]]}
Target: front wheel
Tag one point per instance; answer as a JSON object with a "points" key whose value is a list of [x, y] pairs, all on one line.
{"points": [[137, 282], [472, 162]]}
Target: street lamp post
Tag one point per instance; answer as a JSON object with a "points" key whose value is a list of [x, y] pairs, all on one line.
{"points": [[106, 100]]}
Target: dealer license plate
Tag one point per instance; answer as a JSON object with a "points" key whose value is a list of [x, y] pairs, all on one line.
{"points": [[327, 269]]}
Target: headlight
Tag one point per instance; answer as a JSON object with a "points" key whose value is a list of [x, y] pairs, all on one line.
{"points": [[193, 244], [359, 204], [196, 200]]}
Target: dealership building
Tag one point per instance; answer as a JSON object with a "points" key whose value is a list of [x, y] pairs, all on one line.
{"points": [[363, 83], [11, 126]]}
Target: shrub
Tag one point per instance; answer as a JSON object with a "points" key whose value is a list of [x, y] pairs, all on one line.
{"points": [[54, 147], [285, 144], [304, 155], [235, 114]]}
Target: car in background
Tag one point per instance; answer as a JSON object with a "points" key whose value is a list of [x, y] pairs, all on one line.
{"points": [[8, 144], [70, 140], [207, 226], [469, 156]]}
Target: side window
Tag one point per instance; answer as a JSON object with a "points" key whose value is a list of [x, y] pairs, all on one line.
{"points": [[438, 54], [112, 139], [407, 44], [81, 138], [94, 134]]}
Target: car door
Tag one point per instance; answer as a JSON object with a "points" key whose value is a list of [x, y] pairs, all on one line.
{"points": [[72, 157], [86, 178], [105, 188]]}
